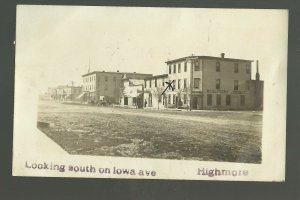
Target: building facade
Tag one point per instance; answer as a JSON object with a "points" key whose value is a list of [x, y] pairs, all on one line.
{"points": [[101, 85], [146, 93], [205, 82], [154, 87], [65, 92]]}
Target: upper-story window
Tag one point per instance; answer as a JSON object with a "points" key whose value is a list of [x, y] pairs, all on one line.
{"points": [[218, 67], [197, 67], [218, 83], [185, 83], [174, 84], [174, 68], [179, 68], [236, 85], [155, 82], [179, 83], [106, 78], [170, 69], [248, 69], [150, 85], [185, 66], [196, 82], [236, 67]]}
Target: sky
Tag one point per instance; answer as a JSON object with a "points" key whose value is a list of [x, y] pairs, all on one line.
{"points": [[59, 43]]}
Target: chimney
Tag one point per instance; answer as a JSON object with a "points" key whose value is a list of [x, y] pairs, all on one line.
{"points": [[257, 76], [222, 55]]}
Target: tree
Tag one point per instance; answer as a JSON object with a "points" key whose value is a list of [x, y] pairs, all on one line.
{"points": [[121, 91], [186, 91], [157, 92]]}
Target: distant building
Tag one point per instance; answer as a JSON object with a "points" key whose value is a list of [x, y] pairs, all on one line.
{"points": [[99, 85], [206, 82], [66, 92]]}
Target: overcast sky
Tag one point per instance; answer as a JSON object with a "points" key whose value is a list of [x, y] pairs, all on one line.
{"points": [[57, 42]]}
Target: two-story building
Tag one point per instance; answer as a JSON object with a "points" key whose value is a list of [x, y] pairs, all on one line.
{"points": [[66, 92], [154, 87], [206, 82], [144, 93], [99, 85]]}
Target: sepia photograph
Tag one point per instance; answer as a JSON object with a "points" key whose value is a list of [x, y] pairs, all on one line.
{"points": [[154, 84]]}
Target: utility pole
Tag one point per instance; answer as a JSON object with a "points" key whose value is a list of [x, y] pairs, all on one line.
{"points": [[191, 83]]}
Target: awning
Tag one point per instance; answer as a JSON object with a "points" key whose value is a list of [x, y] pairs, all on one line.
{"points": [[81, 95]]}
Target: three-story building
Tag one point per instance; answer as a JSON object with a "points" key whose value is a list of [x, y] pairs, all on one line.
{"points": [[206, 82]]}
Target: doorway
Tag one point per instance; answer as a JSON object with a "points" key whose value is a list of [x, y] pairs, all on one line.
{"points": [[125, 101], [195, 103]]}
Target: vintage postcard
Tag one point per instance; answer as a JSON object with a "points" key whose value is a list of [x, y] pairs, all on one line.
{"points": [[150, 93]]}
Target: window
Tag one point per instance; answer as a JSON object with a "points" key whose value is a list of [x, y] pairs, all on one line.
{"points": [[218, 83], [163, 82], [106, 78], [209, 99], [236, 68], [150, 85], [243, 100], [218, 67], [184, 99], [145, 84], [169, 99], [197, 67], [170, 69], [179, 82], [174, 84], [155, 83], [185, 83], [179, 68], [196, 82], [228, 100], [248, 69], [185, 66], [236, 85], [218, 99], [174, 69], [174, 98]]}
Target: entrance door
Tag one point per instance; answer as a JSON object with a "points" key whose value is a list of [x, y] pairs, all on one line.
{"points": [[126, 101], [195, 102]]}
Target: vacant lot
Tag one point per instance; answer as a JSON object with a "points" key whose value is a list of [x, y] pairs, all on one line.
{"points": [[198, 135]]}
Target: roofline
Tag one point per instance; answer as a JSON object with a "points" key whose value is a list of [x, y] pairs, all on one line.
{"points": [[207, 57], [157, 76], [94, 72]]}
